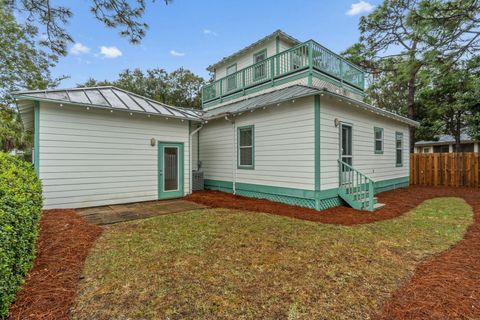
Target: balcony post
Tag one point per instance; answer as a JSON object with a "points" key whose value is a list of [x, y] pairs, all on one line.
{"points": [[272, 70], [310, 62], [243, 81], [221, 90]]}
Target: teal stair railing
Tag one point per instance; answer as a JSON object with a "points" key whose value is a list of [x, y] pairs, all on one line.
{"points": [[356, 188]]}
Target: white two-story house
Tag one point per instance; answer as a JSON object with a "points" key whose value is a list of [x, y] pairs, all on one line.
{"points": [[282, 120]]}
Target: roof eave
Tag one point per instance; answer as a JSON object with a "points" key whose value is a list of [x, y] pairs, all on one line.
{"points": [[26, 97]]}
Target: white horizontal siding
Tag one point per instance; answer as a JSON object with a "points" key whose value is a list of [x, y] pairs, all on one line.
{"points": [[284, 146], [94, 157], [216, 140], [377, 166], [246, 59]]}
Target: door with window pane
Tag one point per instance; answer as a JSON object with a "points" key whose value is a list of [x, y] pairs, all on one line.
{"points": [[260, 68], [170, 170], [346, 144], [232, 78]]}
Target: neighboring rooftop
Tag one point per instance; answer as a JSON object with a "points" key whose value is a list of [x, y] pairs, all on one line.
{"points": [[446, 139], [279, 33], [108, 97]]}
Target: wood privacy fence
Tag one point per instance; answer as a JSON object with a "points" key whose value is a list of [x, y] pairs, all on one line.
{"points": [[445, 169]]}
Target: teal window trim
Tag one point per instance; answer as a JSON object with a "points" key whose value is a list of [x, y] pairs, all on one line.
{"points": [[36, 137], [398, 138], [263, 51], [239, 165], [230, 66], [260, 65], [232, 84], [375, 139]]}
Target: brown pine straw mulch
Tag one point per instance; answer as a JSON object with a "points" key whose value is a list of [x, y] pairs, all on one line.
{"points": [[63, 244], [444, 287]]}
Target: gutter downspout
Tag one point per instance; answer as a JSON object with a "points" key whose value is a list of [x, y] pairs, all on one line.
{"points": [[190, 156], [234, 163]]}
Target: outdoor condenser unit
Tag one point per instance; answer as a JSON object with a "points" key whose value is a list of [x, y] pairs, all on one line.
{"points": [[197, 180]]}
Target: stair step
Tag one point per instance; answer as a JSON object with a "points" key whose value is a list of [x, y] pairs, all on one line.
{"points": [[377, 206]]}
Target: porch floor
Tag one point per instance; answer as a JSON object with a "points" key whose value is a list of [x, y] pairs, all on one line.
{"points": [[131, 211]]}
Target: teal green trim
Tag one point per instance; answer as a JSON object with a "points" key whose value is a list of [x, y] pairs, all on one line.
{"points": [[36, 137], [349, 77], [181, 181], [317, 147], [399, 138], [252, 166], [390, 184], [263, 51], [375, 130], [318, 200], [230, 66]]}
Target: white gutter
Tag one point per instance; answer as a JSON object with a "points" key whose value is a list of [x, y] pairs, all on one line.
{"points": [[234, 162], [190, 155]]}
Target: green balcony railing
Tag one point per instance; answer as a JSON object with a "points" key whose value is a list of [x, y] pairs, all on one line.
{"points": [[307, 55]]}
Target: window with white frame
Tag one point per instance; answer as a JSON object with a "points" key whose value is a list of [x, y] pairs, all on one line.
{"points": [[399, 149], [246, 147], [378, 137]]}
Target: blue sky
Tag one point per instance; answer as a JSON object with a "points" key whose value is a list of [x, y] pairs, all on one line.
{"points": [[195, 34]]}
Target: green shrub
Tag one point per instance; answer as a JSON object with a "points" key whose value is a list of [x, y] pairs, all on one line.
{"points": [[20, 208]]}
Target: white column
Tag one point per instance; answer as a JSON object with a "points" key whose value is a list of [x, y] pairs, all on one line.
{"points": [[450, 148], [476, 146]]}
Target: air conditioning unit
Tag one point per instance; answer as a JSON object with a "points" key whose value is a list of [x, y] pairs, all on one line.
{"points": [[197, 180]]}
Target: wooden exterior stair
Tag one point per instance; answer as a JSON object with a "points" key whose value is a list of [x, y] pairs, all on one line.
{"points": [[357, 189]]}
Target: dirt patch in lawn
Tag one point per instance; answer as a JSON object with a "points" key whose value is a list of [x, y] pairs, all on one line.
{"points": [[444, 287], [63, 244]]}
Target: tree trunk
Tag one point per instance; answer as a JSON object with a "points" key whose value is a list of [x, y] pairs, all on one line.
{"points": [[412, 114]]}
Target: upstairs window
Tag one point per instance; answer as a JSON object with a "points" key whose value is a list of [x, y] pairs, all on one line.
{"points": [[399, 149], [260, 68], [378, 136], [231, 77], [246, 147]]}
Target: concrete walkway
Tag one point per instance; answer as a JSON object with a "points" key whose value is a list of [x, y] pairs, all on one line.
{"points": [[132, 211]]}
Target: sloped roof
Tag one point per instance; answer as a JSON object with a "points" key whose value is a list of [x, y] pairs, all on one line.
{"points": [[109, 97], [273, 98], [446, 139], [279, 33]]}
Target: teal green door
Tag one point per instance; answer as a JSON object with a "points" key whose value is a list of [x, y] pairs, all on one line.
{"points": [[170, 170]]}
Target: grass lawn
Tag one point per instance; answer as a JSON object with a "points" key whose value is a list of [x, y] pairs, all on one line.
{"points": [[225, 264]]}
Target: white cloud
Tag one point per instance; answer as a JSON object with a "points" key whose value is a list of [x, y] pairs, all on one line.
{"points": [[210, 32], [79, 48], [176, 53], [359, 8], [110, 52]]}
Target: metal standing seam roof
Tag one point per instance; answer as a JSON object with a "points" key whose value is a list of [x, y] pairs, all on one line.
{"points": [[447, 139], [278, 33], [295, 92], [109, 97]]}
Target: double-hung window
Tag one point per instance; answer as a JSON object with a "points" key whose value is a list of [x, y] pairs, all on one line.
{"points": [[398, 149], [246, 147], [378, 136]]}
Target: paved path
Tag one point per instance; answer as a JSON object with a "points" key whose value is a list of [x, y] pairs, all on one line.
{"points": [[139, 210]]}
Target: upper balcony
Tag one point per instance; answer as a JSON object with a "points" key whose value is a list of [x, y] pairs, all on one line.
{"points": [[309, 60]]}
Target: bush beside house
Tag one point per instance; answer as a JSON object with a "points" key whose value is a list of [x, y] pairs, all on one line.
{"points": [[20, 208]]}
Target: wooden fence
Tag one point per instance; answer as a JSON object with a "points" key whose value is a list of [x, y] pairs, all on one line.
{"points": [[445, 169]]}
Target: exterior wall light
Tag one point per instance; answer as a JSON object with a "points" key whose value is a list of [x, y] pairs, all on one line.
{"points": [[153, 142], [337, 122]]}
